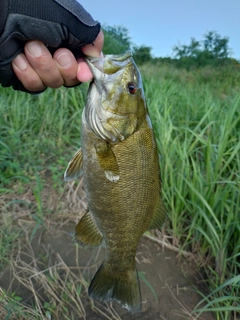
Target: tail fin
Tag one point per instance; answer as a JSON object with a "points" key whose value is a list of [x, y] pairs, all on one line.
{"points": [[123, 288]]}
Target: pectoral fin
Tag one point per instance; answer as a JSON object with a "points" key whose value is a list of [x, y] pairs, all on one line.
{"points": [[86, 232], [107, 161], [159, 216], [74, 168]]}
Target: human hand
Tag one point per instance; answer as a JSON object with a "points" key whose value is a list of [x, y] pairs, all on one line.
{"points": [[66, 29], [38, 69]]}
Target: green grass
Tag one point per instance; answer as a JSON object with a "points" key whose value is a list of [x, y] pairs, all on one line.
{"points": [[198, 134], [196, 118], [36, 133]]}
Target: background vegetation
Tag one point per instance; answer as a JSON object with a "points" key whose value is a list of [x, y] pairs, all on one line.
{"points": [[212, 50], [194, 103]]}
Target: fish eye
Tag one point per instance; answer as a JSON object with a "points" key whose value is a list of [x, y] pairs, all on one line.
{"points": [[132, 87]]}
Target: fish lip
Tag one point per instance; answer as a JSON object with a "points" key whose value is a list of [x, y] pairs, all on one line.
{"points": [[91, 65], [114, 57], [98, 63]]}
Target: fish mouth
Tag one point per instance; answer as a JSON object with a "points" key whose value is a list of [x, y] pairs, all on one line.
{"points": [[109, 64], [107, 78]]}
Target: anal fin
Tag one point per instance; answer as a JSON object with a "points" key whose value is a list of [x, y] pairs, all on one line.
{"points": [[86, 231], [159, 216]]}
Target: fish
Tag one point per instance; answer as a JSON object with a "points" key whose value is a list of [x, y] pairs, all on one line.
{"points": [[119, 162]]}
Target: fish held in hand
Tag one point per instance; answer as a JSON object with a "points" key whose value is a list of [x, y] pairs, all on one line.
{"points": [[120, 167]]}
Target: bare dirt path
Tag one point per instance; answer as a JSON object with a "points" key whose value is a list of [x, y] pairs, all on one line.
{"points": [[51, 268]]}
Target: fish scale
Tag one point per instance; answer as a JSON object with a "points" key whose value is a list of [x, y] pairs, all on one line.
{"points": [[118, 193], [120, 166]]}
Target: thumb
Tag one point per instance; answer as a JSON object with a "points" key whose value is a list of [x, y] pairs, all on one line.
{"points": [[94, 49]]}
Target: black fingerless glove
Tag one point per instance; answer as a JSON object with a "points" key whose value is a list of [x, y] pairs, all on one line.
{"points": [[57, 23]]}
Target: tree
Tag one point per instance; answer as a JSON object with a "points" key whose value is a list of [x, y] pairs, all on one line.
{"points": [[116, 40], [142, 54], [191, 50], [217, 45], [213, 49]]}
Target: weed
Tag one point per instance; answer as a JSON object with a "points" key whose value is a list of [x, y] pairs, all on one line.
{"points": [[196, 120]]}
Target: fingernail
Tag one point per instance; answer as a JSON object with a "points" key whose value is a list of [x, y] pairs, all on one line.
{"points": [[64, 60], [35, 49], [20, 63]]}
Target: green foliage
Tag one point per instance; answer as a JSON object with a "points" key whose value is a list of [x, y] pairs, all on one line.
{"points": [[116, 40], [216, 45], [34, 128], [142, 54], [8, 237], [198, 134], [196, 119], [14, 309], [212, 50]]}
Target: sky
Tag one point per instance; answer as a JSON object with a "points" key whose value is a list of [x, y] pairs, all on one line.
{"points": [[162, 24]]}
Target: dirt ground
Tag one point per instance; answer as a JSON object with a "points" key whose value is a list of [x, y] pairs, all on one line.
{"points": [[51, 273], [168, 287]]}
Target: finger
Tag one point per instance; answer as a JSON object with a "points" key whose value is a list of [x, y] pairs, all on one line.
{"points": [[83, 74], [26, 74], [43, 63], [94, 49], [67, 66]]}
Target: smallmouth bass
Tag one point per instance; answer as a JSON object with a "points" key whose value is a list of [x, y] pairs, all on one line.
{"points": [[120, 166]]}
